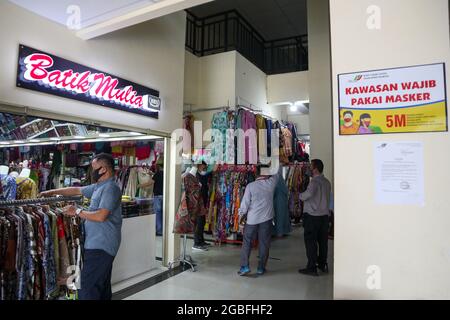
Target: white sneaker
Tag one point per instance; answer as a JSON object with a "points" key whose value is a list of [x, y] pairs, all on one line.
{"points": [[199, 248]]}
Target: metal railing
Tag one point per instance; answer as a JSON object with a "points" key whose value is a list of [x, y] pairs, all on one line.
{"points": [[229, 31]]}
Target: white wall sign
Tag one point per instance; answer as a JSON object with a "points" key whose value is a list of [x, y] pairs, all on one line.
{"points": [[399, 173]]}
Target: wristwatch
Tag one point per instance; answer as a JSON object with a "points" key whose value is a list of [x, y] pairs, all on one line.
{"points": [[78, 211]]}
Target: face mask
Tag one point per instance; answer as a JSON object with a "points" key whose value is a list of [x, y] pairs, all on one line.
{"points": [[96, 174], [202, 173]]}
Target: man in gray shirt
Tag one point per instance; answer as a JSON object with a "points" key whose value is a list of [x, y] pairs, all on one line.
{"points": [[316, 219], [103, 224], [257, 208]]}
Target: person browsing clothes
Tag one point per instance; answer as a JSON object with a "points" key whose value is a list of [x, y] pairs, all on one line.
{"points": [[257, 211], [103, 224]]}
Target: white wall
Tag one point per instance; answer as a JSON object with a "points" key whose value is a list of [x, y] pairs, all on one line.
{"points": [[287, 87], [302, 122], [410, 244], [151, 54], [217, 75], [319, 86]]}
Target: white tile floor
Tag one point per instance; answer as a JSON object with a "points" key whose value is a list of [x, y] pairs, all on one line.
{"points": [[216, 276]]}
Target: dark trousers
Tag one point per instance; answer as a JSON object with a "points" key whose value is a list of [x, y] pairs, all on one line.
{"points": [[96, 275], [199, 230], [264, 231], [316, 237]]}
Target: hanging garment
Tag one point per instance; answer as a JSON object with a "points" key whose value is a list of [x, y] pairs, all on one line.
{"points": [[44, 174], [9, 188], [26, 189], [144, 177], [131, 187], [282, 223], [261, 136], [287, 141], [218, 138], [191, 205], [188, 135]]}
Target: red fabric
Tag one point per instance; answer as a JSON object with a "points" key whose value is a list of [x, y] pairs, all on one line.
{"points": [[143, 152], [88, 147]]}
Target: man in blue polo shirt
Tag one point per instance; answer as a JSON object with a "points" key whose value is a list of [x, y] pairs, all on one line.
{"points": [[103, 224]]}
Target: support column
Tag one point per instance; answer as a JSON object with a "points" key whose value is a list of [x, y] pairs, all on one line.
{"points": [[319, 84]]}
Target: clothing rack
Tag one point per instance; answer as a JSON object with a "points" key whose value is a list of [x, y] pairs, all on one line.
{"points": [[38, 201]]}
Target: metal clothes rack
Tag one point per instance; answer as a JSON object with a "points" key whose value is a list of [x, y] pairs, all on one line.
{"points": [[184, 258], [25, 202]]}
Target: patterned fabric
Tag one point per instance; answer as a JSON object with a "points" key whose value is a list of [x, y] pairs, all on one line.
{"points": [[29, 262], [191, 205], [219, 122], [26, 188], [9, 188]]}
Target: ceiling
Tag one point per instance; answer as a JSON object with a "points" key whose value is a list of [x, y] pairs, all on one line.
{"points": [[98, 17], [92, 12], [274, 19]]}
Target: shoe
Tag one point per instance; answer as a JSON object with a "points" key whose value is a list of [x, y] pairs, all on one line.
{"points": [[261, 271], [243, 271], [199, 248], [205, 244], [309, 272], [159, 234], [323, 268]]}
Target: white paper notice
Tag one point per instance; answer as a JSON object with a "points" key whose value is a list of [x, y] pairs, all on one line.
{"points": [[399, 173]]}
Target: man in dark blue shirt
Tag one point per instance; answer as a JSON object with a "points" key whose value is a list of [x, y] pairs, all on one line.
{"points": [[103, 224]]}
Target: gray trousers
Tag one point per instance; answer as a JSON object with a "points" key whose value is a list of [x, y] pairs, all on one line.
{"points": [[264, 231]]}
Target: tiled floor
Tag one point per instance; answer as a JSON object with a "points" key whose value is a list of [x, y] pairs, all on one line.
{"points": [[216, 276]]}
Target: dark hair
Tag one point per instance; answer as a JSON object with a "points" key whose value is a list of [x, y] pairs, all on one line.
{"points": [[363, 116], [106, 159], [348, 112], [204, 163], [318, 164]]}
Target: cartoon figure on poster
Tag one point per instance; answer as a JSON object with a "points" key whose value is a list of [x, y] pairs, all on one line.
{"points": [[364, 125]]}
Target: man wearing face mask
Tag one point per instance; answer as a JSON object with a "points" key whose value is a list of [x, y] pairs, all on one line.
{"points": [[316, 220], [103, 224]]}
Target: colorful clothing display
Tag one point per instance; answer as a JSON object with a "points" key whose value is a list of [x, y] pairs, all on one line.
{"points": [[35, 242], [297, 181], [8, 188], [26, 188], [227, 189]]}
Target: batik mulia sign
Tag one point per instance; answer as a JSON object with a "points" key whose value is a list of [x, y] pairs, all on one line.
{"points": [[43, 72]]}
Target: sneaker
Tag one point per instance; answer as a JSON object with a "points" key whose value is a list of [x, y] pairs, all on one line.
{"points": [[309, 272], [261, 271], [199, 248], [205, 244], [243, 271], [323, 268]]}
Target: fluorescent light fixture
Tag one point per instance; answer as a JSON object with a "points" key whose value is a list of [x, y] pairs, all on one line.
{"points": [[104, 135], [19, 141], [34, 140], [293, 108], [4, 142], [135, 133], [301, 101], [55, 139], [79, 137]]}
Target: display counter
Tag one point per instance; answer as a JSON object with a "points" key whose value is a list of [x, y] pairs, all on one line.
{"points": [[137, 250]]}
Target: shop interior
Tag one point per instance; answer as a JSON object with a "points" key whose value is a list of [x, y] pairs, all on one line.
{"points": [[39, 154]]}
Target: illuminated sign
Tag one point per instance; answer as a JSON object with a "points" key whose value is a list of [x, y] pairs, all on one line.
{"points": [[43, 72]]}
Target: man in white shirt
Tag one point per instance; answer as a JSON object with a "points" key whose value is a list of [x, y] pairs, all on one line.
{"points": [[257, 208]]}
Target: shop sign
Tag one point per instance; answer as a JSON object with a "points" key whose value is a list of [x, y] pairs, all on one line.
{"points": [[43, 72], [398, 100]]}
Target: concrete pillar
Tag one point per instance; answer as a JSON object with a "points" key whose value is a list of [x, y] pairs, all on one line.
{"points": [[319, 84]]}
